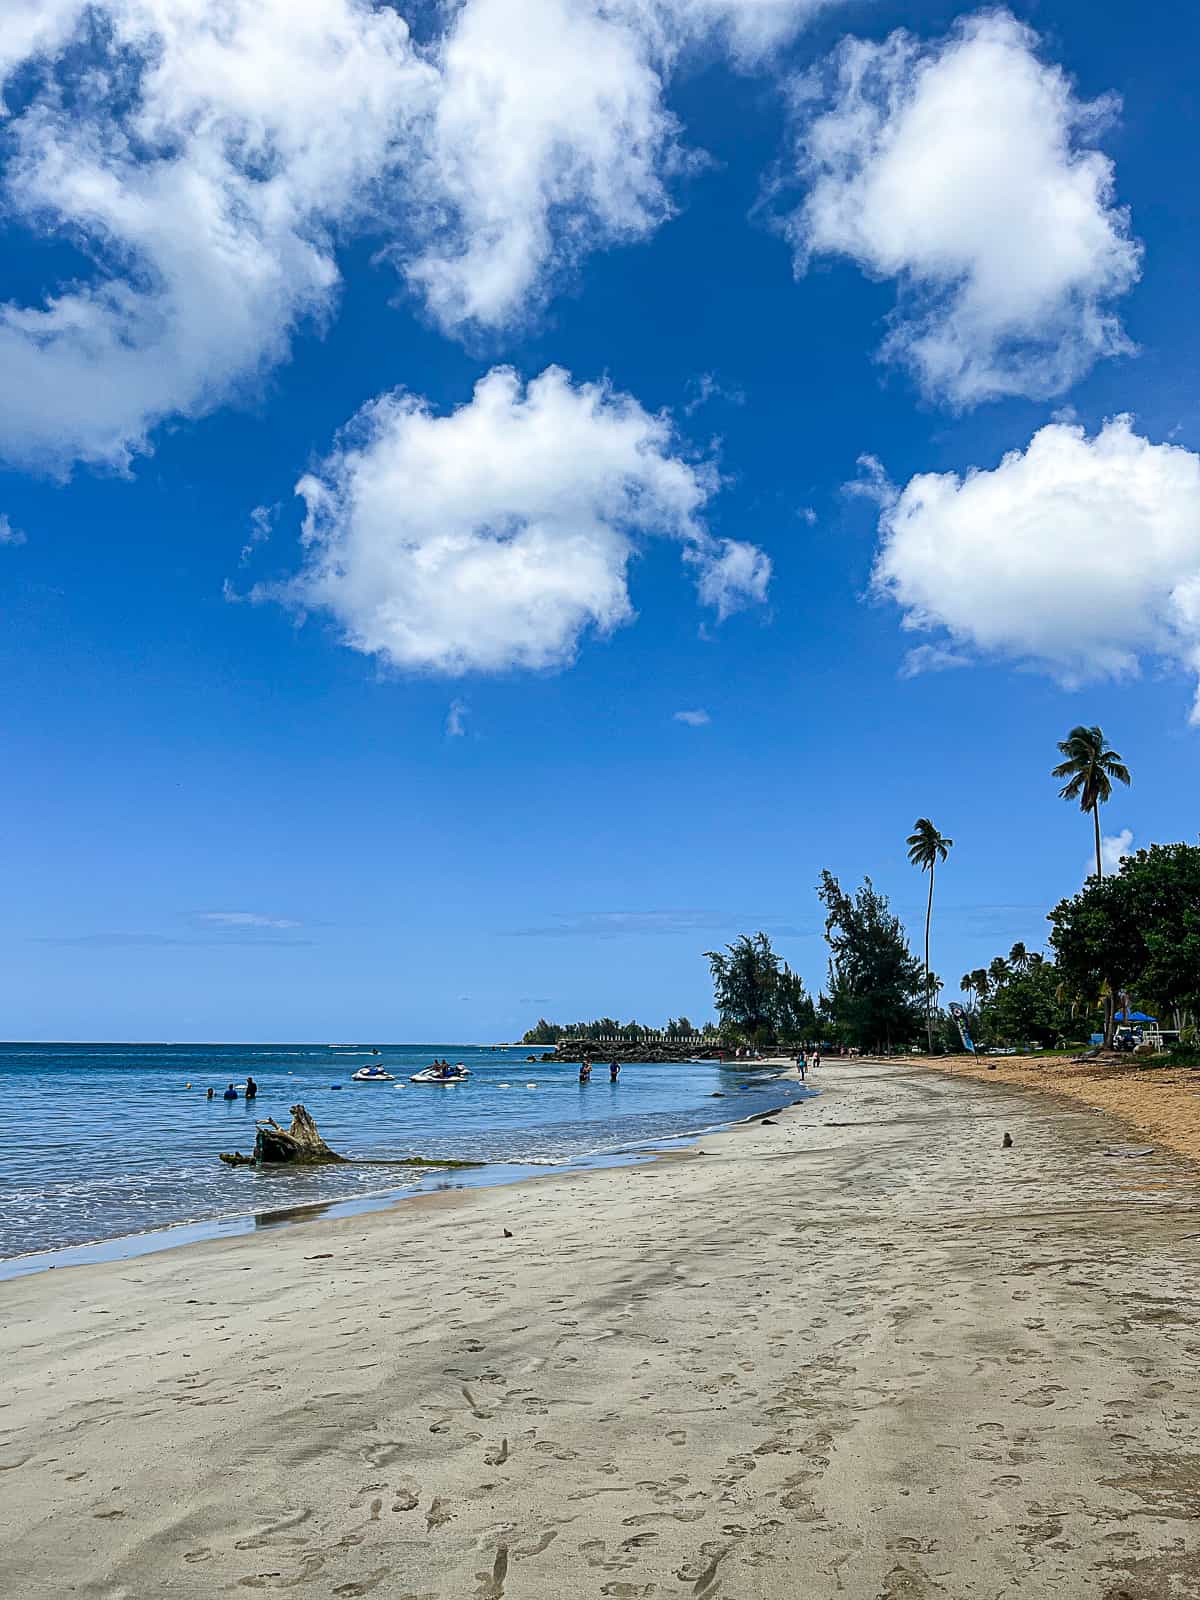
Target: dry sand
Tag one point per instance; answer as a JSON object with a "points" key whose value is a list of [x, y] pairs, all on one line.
{"points": [[1160, 1102], [863, 1352]]}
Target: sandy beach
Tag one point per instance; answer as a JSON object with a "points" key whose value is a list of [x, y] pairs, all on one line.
{"points": [[1161, 1103], [862, 1350]]}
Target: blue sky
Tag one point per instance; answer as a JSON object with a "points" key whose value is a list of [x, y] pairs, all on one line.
{"points": [[423, 775]]}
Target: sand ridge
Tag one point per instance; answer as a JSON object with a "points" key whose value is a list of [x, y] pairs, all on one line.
{"points": [[863, 1352]]}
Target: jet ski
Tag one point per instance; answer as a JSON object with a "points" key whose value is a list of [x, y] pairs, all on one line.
{"points": [[456, 1074], [372, 1075]]}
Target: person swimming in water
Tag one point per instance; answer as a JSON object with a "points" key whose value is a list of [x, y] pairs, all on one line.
{"points": [[251, 1088], [230, 1093], [210, 1094]]}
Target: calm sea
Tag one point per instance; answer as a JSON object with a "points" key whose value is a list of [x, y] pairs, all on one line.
{"points": [[106, 1140]]}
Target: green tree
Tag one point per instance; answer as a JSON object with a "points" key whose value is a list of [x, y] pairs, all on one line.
{"points": [[745, 975], [757, 995], [1027, 1008], [1137, 931], [793, 1012], [1019, 958], [1089, 768], [544, 1033], [876, 989], [926, 847]]}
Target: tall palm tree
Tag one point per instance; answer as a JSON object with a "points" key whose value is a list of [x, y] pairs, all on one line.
{"points": [[1018, 957], [998, 972], [926, 847], [1090, 767]]}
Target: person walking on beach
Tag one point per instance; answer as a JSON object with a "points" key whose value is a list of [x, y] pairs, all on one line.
{"points": [[801, 1065], [816, 1059]]}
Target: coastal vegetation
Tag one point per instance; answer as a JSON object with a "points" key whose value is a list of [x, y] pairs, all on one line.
{"points": [[1130, 939], [758, 997], [677, 1029]]}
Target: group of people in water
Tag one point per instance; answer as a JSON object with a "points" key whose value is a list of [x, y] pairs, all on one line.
{"points": [[585, 1071], [250, 1092]]}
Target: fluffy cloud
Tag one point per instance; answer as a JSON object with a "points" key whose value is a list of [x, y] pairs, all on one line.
{"points": [[203, 160], [493, 537], [551, 136], [9, 534], [693, 719], [962, 169], [732, 578], [1077, 555], [456, 719], [199, 155]]}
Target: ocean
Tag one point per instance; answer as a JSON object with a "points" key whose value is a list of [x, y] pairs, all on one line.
{"points": [[100, 1142]]}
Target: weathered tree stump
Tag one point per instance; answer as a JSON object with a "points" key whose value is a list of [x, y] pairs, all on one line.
{"points": [[299, 1145]]}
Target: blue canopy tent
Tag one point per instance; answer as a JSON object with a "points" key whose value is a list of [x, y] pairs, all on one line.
{"points": [[1133, 1016]]}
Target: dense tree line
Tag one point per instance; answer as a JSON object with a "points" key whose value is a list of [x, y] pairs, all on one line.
{"points": [[551, 1033]]}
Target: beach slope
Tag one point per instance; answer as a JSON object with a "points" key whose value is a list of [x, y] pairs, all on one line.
{"points": [[863, 1351]]}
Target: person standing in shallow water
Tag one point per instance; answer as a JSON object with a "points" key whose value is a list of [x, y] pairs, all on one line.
{"points": [[251, 1088], [614, 1071]]}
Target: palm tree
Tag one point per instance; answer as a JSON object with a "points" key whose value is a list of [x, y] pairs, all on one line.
{"points": [[998, 972], [1089, 768], [926, 847], [1019, 958]]}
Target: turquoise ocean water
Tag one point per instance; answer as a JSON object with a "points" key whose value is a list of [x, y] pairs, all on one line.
{"points": [[102, 1141]]}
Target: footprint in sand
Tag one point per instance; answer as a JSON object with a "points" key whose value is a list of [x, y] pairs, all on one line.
{"points": [[492, 1584], [438, 1515], [364, 1585]]}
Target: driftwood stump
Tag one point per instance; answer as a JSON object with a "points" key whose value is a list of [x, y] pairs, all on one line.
{"points": [[299, 1145]]}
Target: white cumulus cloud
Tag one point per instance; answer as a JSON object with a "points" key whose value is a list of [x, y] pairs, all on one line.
{"points": [[493, 537], [205, 160], [199, 156], [964, 169], [1077, 555]]}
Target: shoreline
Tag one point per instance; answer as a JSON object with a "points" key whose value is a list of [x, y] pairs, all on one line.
{"points": [[239, 1224], [850, 1348]]}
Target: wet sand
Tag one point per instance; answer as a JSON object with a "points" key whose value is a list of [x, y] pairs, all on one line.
{"points": [[863, 1352]]}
